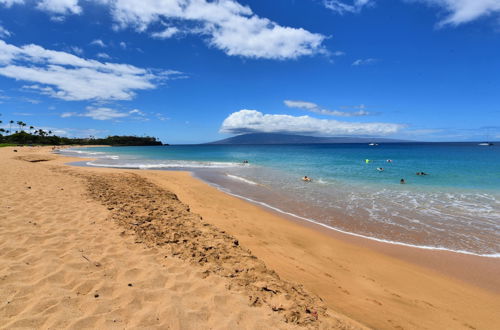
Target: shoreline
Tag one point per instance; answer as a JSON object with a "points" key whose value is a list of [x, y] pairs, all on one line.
{"points": [[478, 243], [354, 276], [480, 271], [482, 275]]}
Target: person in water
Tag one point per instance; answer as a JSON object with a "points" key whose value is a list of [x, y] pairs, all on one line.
{"points": [[402, 181], [306, 179], [380, 169], [389, 160], [421, 173], [245, 162]]}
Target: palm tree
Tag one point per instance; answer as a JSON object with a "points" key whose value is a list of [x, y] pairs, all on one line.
{"points": [[10, 125], [31, 128], [50, 132]]}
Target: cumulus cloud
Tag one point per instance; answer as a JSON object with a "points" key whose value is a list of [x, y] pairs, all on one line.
{"points": [[69, 77], [313, 107], [250, 121], [228, 25], [60, 7], [99, 113], [365, 61]]}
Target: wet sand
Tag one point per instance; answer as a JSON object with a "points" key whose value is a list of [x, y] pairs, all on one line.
{"points": [[106, 229]]}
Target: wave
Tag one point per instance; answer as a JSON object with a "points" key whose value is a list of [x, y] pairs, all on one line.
{"points": [[310, 220], [86, 154], [174, 164], [241, 179]]}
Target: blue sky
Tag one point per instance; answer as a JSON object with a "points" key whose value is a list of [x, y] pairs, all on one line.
{"points": [[190, 71]]}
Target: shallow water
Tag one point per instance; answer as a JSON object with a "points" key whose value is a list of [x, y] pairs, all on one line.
{"points": [[455, 207]]}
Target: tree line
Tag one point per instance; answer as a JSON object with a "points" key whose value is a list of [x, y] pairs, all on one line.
{"points": [[25, 135]]}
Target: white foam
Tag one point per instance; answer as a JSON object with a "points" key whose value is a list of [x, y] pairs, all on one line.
{"points": [[174, 164], [424, 247], [241, 179], [87, 154]]}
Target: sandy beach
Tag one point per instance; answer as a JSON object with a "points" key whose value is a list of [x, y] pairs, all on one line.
{"points": [[85, 247]]}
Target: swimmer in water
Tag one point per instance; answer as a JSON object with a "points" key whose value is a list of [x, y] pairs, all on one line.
{"points": [[402, 181], [421, 173], [389, 160], [306, 179], [245, 162], [380, 169]]}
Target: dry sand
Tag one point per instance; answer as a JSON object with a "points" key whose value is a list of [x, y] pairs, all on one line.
{"points": [[102, 248]]}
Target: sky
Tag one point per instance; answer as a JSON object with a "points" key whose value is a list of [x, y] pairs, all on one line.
{"points": [[193, 71]]}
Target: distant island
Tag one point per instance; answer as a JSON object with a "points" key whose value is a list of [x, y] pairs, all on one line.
{"points": [[278, 138]]}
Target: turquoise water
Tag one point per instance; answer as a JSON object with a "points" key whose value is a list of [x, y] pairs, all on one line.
{"points": [[455, 207]]}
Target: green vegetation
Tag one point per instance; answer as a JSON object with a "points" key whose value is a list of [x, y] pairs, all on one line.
{"points": [[42, 137], [7, 145]]}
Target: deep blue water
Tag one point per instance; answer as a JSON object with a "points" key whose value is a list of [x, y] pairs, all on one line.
{"points": [[456, 206]]}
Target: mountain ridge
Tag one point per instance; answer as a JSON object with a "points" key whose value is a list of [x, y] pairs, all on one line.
{"points": [[278, 138]]}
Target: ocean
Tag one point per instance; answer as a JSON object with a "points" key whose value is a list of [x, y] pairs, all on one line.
{"points": [[455, 207]]}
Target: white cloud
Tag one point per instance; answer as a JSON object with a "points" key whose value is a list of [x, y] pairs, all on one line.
{"points": [[98, 114], [165, 34], [137, 112], [365, 61], [458, 11], [69, 77], [464, 11], [228, 25], [231, 27], [313, 107], [123, 44], [60, 7], [103, 113], [246, 121], [104, 56], [343, 7], [98, 42], [4, 33], [9, 3], [77, 50], [161, 117]]}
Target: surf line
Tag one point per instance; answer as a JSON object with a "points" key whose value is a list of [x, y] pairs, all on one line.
{"points": [[423, 247]]}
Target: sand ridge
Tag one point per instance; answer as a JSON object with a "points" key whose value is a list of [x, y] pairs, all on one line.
{"points": [[159, 218]]}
